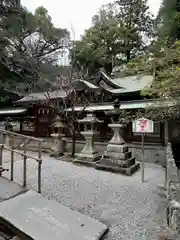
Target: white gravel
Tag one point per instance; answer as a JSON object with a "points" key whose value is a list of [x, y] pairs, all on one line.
{"points": [[132, 210]]}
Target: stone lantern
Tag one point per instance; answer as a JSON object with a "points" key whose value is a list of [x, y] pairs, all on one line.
{"points": [[89, 155], [117, 157], [59, 142], [8, 127]]}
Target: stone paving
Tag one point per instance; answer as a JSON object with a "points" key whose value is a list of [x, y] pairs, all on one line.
{"points": [[132, 210]]}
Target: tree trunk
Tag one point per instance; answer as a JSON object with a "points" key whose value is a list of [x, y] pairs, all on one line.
{"points": [[73, 143], [108, 68]]}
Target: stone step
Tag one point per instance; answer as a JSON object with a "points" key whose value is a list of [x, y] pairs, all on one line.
{"points": [[126, 171], [119, 163], [9, 189], [25, 212]]}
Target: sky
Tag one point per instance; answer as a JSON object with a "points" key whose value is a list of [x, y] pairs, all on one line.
{"points": [[75, 14]]}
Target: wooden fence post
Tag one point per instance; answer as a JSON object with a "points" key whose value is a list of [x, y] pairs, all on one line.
{"points": [[166, 138], [1, 157], [12, 158], [39, 167], [25, 166]]}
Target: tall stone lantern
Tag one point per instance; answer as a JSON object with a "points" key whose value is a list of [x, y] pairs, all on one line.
{"points": [[117, 157], [89, 155], [59, 142]]}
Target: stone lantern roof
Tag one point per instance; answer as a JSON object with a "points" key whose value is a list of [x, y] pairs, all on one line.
{"points": [[90, 118]]}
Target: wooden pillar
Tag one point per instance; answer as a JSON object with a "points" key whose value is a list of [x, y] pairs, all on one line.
{"points": [[39, 166], [12, 158], [25, 166]]}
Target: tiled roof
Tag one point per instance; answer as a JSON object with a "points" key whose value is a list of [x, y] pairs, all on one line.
{"points": [[13, 111], [132, 83], [118, 86], [140, 104], [80, 83], [44, 96]]}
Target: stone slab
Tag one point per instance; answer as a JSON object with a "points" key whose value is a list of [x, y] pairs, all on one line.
{"points": [[126, 171], [89, 158], [9, 189], [40, 218], [84, 162], [118, 163], [117, 156], [117, 148], [65, 158]]}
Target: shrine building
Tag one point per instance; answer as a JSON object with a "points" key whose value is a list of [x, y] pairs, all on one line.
{"points": [[101, 93]]}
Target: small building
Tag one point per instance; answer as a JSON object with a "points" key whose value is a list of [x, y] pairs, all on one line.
{"points": [[39, 123]]}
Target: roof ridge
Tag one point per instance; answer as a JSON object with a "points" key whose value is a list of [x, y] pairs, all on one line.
{"points": [[110, 80]]}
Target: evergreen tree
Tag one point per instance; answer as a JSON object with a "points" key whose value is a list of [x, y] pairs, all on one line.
{"points": [[136, 26], [30, 46], [119, 32], [169, 20]]}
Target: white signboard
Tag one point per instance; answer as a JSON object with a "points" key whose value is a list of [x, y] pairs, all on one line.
{"points": [[143, 125]]}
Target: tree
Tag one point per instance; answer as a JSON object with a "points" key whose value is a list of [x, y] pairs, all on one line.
{"points": [[167, 71], [69, 97], [119, 32], [164, 64], [136, 26], [169, 20], [8, 10], [31, 48], [97, 47], [31, 51]]}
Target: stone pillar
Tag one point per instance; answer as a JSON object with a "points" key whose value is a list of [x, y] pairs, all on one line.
{"points": [[117, 136], [116, 144]]}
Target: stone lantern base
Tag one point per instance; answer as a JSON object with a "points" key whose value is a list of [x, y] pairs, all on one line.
{"points": [[117, 157], [87, 159], [124, 166], [59, 146], [88, 156]]}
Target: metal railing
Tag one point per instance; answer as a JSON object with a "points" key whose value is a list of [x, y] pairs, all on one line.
{"points": [[23, 153]]}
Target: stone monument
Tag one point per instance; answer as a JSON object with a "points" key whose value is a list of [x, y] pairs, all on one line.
{"points": [[59, 142], [117, 157], [89, 155]]}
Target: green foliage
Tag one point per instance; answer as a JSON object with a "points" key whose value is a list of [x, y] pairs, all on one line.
{"points": [[164, 64], [169, 18], [30, 48], [118, 33], [162, 61], [98, 48]]}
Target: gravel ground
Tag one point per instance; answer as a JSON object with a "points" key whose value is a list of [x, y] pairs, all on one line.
{"points": [[132, 210]]}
